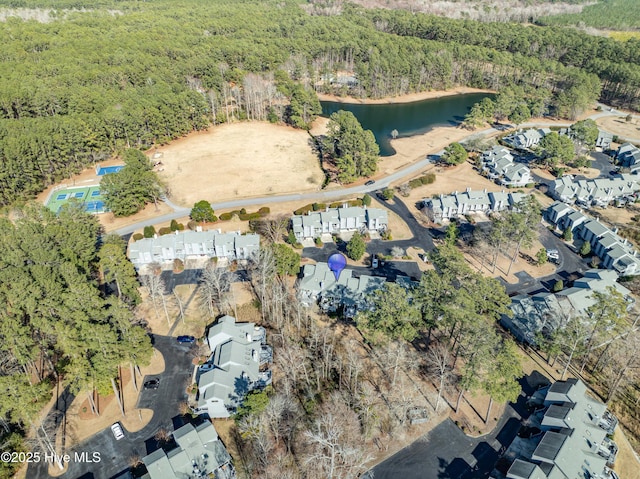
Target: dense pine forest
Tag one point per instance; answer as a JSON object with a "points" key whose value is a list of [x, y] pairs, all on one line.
{"points": [[87, 80], [610, 14], [60, 322]]}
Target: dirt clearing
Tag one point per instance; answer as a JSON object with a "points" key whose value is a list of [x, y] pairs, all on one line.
{"points": [[239, 160], [619, 126]]}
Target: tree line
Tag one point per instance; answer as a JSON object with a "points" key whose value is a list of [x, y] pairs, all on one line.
{"points": [[65, 314], [156, 71], [617, 64], [457, 309]]}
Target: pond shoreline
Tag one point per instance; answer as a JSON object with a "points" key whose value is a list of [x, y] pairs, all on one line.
{"points": [[412, 115], [408, 98]]}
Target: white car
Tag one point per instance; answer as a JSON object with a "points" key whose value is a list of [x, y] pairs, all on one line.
{"points": [[117, 431], [374, 263]]}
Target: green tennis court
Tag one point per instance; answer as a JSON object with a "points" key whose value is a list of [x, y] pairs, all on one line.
{"points": [[89, 196]]}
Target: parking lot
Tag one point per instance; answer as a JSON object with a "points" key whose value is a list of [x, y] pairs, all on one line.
{"points": [[165, 402]]}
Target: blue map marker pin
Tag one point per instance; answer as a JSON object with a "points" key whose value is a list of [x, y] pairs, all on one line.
{"points": [[337, 262]]}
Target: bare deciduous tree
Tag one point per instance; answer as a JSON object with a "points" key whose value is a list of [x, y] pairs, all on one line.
{"points": [[262, 270], [624, 359], [272, 229], [157, 290], [215, 287], [440, 367], [43, 437], [334, 446]]}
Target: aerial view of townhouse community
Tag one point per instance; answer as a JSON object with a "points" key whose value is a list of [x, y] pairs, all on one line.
{"points": [[320, 239]]}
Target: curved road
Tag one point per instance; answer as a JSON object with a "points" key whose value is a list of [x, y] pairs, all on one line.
{"points": [[323, 196]]}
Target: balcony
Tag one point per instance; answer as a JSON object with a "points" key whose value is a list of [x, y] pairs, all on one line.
{"points": [[264, 379], [609, 450], [266, 355], [259, 334], [608, 422]]}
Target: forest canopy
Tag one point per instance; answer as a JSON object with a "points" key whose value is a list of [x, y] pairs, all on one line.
{"points": [[87, 84], [56, 322]]}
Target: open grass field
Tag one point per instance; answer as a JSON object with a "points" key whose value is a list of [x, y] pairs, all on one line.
{"points": [[621, 127], [239, 160]]}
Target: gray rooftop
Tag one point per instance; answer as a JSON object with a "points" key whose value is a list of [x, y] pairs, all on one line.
{"points": [[235, 361], [199, 450], [549, 447], [525, 470], [319, 281]]}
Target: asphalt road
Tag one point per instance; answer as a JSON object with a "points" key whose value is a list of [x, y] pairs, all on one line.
{"points": [[323, 196], [447, 453], [569, 265], [165, 401], [390, 269]]}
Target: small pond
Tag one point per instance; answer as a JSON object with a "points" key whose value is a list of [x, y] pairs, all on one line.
{"points": [[409, 119]]}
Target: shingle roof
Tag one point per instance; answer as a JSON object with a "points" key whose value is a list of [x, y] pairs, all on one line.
{"points": [[525, 470]]}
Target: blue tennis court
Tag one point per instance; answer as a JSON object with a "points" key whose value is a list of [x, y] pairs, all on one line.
{"points": [[95, 193], [94, 207], [79, 194], [107, 170], [61, 197]]}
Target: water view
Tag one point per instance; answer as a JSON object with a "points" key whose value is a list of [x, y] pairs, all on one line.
{"points": [[409, 119]]}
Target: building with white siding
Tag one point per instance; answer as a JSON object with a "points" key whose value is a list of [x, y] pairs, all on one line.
{"points": [[192, 245], [445, 207], [338, 220]]}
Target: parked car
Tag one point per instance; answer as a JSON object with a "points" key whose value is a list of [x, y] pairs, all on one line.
{"points": [[370, 182], [117, 431], [553, 255], [152, 383], [374, 263], [185, 339]]}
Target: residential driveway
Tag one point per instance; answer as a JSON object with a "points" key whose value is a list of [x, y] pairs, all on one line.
{"points": [[602, 162], [447, 453], [569, 265], [165, 401], [390, 269], [421, 236], [526, 284]]}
